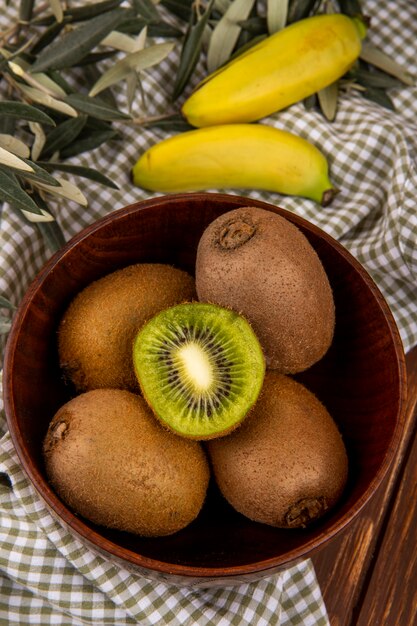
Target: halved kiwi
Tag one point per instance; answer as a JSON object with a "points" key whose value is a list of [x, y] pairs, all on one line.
{"points": [[200, 368]]}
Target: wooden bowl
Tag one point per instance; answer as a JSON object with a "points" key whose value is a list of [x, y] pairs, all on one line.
{"points": [[361, 380]]}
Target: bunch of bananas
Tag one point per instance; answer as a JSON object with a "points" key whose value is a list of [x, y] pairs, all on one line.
{"points": [[226, 150]]}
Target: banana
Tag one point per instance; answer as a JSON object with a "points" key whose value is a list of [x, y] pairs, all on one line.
{"points": [[243, 156], [284, 68]]}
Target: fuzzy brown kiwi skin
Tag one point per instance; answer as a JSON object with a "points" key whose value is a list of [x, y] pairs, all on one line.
{"points": [[287, 464], [96, 333], [261, 265], [111, 462]]}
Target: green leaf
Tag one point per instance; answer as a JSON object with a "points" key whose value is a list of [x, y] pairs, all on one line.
{"points": [[327, 98], [299, 9], [81, 13], [191, 50], [11, 160], [137, 61], [61, 136], [379, 96], [180, 8], [6, 304], [95, 107], [47, 37], [350, 7], [146, 9], [25, 11], [78, 170], [226, 33], [12, 192], [92, 140], [254, 25], [174, 123], [276, 15], [21, 111], [373, 55], [376, 78], [51, 231], [39, 174], [5, 325], [74, 45]]}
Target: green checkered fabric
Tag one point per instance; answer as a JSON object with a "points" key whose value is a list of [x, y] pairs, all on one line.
{"points": [[48, 575]]}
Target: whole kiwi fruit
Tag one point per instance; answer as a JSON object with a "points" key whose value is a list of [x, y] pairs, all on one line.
{"points": [[200, 368], [261, 265], [96, 333], [287, 464], [111, 462]]}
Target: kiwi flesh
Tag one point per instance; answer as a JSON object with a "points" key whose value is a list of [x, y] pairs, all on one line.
{"points": [[200, 368], [111, 462], [96, 332], [287, 464], [261, 265]]}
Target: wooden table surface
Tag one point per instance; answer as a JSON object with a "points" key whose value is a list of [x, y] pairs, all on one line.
{"points": [[368, 574]]}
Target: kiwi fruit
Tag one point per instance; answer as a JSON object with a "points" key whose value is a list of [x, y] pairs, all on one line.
{"points": [[287, 464], [261, 265], [110, 461], [96, 332], [200, 368]]}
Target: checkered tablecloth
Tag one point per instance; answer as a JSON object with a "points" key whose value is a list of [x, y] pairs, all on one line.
{"points": [[47, 575]]}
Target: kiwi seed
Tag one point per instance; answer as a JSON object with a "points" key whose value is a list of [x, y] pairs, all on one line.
{"points": [[109, 460], [96, 333], [287, 464], [200, 367]]}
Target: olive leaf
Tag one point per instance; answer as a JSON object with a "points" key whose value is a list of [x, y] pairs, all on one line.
{"points": [[51, 231], [48, 36], [6, 304], [95, 107], [39, 80], [52, 103], [147, 9], [375, 78], [65, 189], [38, 174], [191, 49], [299, 9], [25, 11], [180, 8], [327, 98], [63, 134], [225, 35], [276, 14], [93, 139], [12, 193], [373, 55], [11, 160], [350, 7], [78, 170], [57, 10], [379, 96], [22, 111], [14, 145], [75, 44], [139, 60], [39, 141]]}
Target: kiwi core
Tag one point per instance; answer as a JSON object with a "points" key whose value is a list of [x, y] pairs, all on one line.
{"points": [[195, 364]]}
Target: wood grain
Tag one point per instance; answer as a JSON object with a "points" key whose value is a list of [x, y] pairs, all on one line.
{"points": [[367, 575]]}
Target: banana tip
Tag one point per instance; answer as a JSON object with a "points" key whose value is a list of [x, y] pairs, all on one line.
{"points": [[328, 196]]}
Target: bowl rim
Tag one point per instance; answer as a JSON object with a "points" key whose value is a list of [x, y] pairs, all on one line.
{"points": [[114, 551]]}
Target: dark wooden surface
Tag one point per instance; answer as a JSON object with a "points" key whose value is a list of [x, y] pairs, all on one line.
{"points": [[368, 575]]}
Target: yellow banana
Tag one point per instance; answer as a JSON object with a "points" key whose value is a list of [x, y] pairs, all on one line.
{"points": [[243, 156], [284, 68]]}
